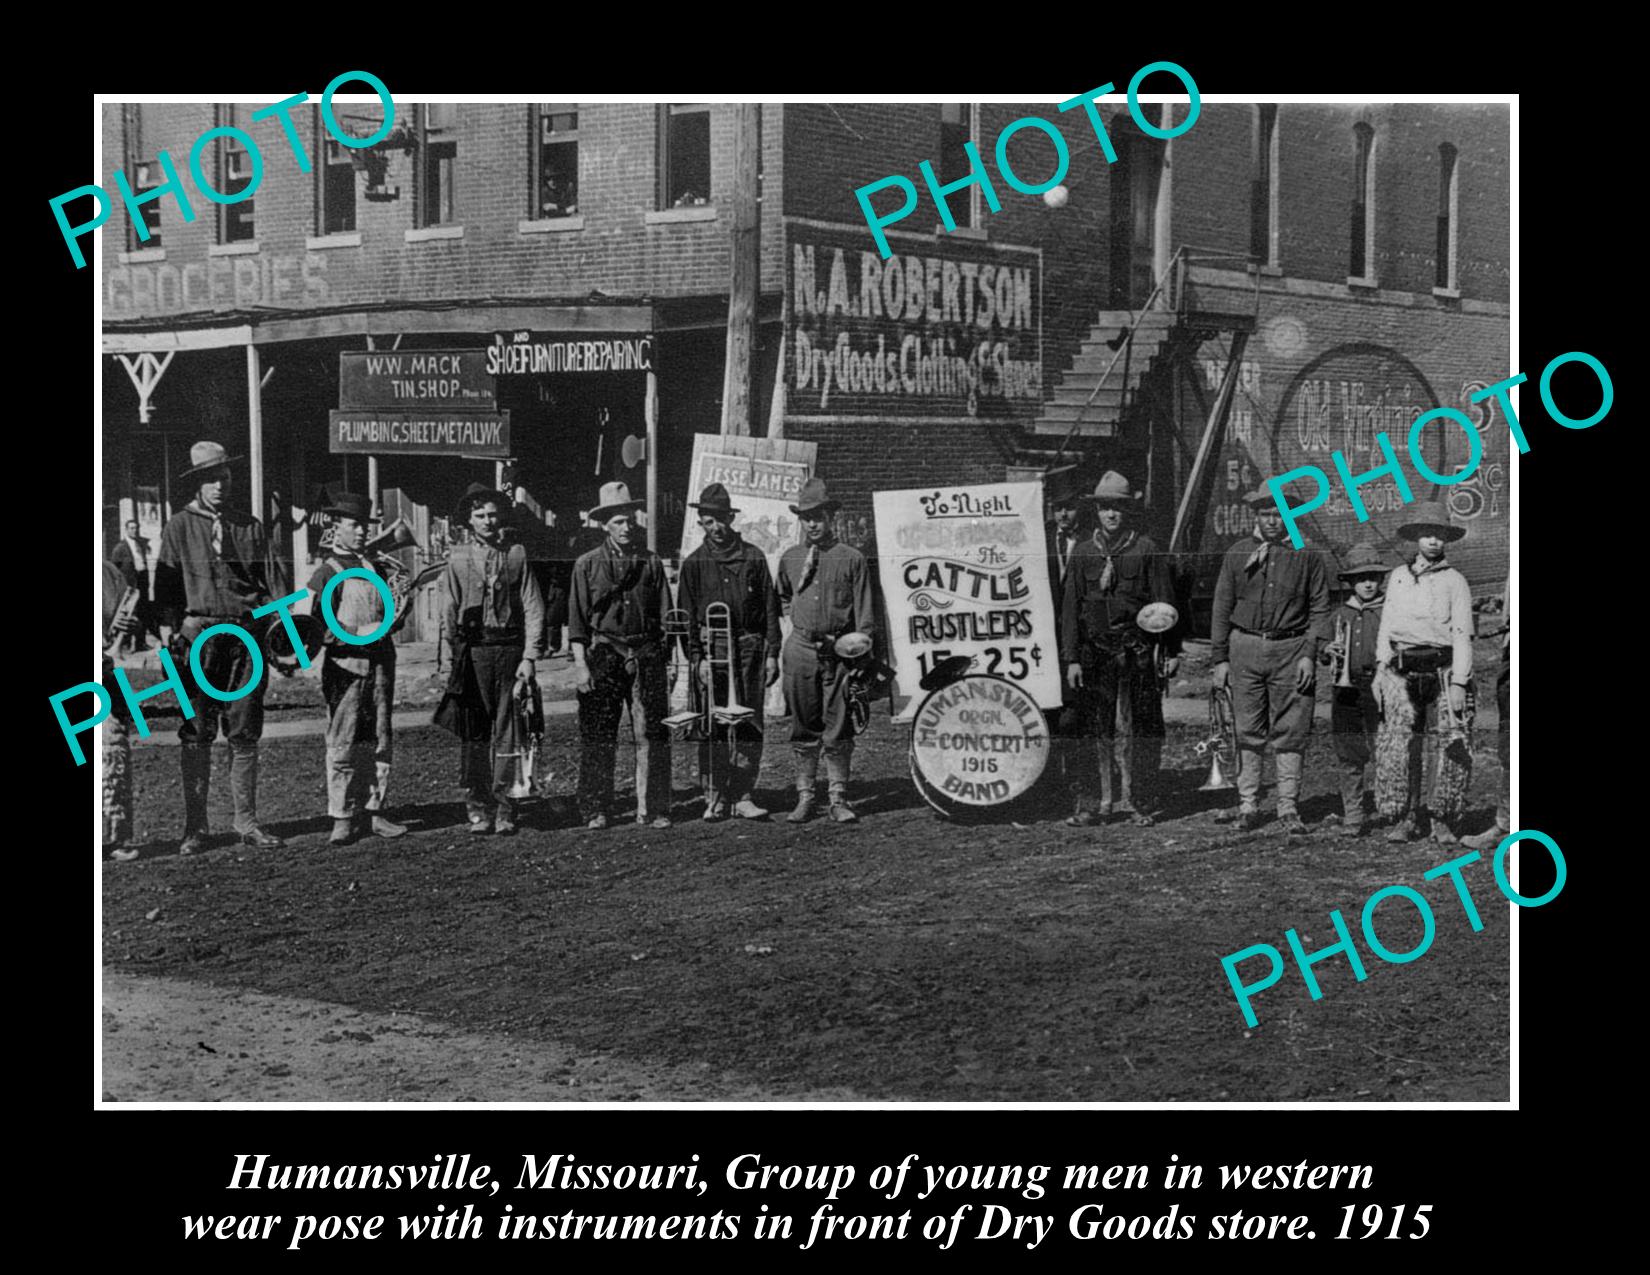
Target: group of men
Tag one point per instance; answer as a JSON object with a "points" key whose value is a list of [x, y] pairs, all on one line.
{"points": [[1407, 667], [211, 570], [1408, 661]]}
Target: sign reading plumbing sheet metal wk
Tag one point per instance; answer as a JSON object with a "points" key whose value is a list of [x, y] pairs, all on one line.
{"points": [[964, 572]]}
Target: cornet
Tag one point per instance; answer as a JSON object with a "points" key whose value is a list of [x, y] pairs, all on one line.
{"points": [[1337, 654], [1222, 737]]}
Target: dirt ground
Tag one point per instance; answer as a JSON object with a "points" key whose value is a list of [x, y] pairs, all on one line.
{"points": [[904, 958]]}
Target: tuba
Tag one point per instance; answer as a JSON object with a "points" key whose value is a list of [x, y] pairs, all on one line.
{"points": [[380, 551], [1222, 738]]}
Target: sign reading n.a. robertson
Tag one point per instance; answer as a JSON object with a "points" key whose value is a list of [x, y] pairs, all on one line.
{"points": [[424, 432], [416, 379], [942, 330]]}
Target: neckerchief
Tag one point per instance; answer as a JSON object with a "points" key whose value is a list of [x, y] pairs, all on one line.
{"points": [[1108, 577], [734, 550], [1259, 555], [811, 568], [216, 515], [1421, 567]]}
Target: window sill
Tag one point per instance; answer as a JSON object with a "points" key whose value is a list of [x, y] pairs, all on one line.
{"points": [[1271, 271], [1368, 285], [434, 232], [548, 225], [243, 249], [343, 239], [670, 216], [140, 255], [1448, 294], [962, 232]]}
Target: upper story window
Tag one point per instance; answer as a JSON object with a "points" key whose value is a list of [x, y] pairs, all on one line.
{"points": [[554, 161], [959, 125], [237, 222], [435, 165], [1363, 202], [1449, 209], [334, 188], [146, 176], [1263, 204], [684, 155]]}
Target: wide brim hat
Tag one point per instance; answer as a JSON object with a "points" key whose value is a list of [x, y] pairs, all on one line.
{"points": [[349, 504], [475, 493], [714, 499], [1113, 489], [614, 500], [1364, 560], [1060, 489], [1429, 516], [204, 456], [1259, 496], [814, 496]]}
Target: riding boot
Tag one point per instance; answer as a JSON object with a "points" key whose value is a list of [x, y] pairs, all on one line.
{"points": [[836, 775], [1352, 800], [197, 778], [807, 776]]}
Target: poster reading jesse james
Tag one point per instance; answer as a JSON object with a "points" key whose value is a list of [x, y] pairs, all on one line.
{"points": [[964, 572]]}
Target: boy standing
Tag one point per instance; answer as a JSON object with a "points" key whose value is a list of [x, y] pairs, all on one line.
{"points": [[1354, 716]]}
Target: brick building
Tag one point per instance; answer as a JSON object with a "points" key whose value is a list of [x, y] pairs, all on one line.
{"points": [[1343, 267]]}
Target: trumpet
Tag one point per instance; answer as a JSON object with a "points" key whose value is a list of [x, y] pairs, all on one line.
{"points": [[1337, 656], [1222, 738], [124, 611]]}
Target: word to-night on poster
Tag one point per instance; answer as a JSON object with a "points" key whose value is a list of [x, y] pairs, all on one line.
{"points": [[964, 572], [939, 331]]}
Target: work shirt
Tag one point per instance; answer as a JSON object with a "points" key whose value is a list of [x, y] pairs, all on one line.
{"points": [[738, 577], [491, 589], [196, 578], [356, 605], [1363, 626], [1428, 605], [1286, 591], [1095, 609], [600, 608], [836, 600]]}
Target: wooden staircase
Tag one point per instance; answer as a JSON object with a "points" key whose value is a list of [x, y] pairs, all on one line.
{"points": [[1100, 416]]}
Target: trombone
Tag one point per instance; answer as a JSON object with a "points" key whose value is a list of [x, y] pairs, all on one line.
{"points": [[728, 713]]}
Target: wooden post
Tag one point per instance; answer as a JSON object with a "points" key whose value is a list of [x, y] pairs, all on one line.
{"points": [[651, 410], [747, 267], [255, 430]]}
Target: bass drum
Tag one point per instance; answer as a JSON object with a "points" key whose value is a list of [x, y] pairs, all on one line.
{"points": [[978, 745]]}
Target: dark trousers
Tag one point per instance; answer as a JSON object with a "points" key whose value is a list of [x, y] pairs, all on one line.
{"points": [[1123, 711], [227, 664], [731, 765], [485, 772], [1354, 717], [620, 678]]}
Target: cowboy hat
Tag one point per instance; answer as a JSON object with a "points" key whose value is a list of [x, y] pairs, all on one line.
{"points": [[1429, 517], [204, 456], [614, 500], [1364, 559], [813, 496], [349, 504], [714, 499], [1113, 488], [475, 494], [1259, 496]]}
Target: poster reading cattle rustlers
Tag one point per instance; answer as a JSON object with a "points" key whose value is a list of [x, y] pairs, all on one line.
{"points": [[964, 573]]}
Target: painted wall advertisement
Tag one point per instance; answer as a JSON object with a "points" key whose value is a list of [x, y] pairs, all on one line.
{"points": [[964, 572], [944, 331]]}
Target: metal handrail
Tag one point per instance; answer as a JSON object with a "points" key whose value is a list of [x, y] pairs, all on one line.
{"points": [[1128, 332]]}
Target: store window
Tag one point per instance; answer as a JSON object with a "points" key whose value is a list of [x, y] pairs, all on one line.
{"points": [[436, 163], [555, 161], [684, 155]]}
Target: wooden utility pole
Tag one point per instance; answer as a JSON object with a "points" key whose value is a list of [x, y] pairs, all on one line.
{"points": [[747, 267]]}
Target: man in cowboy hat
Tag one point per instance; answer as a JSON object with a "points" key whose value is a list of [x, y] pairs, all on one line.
{"points": [[825, 586], [615, 625], [1110, 663], [728, 569], [210, 570], [1424, 646], [495, 614], [1271, 606], [1354, 716], [357, 682]]}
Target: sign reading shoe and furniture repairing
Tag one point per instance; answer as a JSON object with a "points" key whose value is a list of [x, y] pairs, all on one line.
{"points": [[939, 331]]}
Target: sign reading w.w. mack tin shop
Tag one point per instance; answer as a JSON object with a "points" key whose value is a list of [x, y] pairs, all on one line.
{"points": [[946, 330], [418, 402]]}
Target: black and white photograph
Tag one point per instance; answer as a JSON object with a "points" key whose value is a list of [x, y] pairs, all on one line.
{"points": [[790, 600]]}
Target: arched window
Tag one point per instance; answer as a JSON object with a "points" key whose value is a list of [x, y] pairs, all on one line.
{"points": [[1263, 204], [1449, 209], [1363, 203]]}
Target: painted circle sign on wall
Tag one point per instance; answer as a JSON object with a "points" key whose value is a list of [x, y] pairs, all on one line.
{"points": [[977, 743]]}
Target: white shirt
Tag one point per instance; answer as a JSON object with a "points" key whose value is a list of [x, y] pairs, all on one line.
{"points": [[1432, 609], [140, 558]]}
